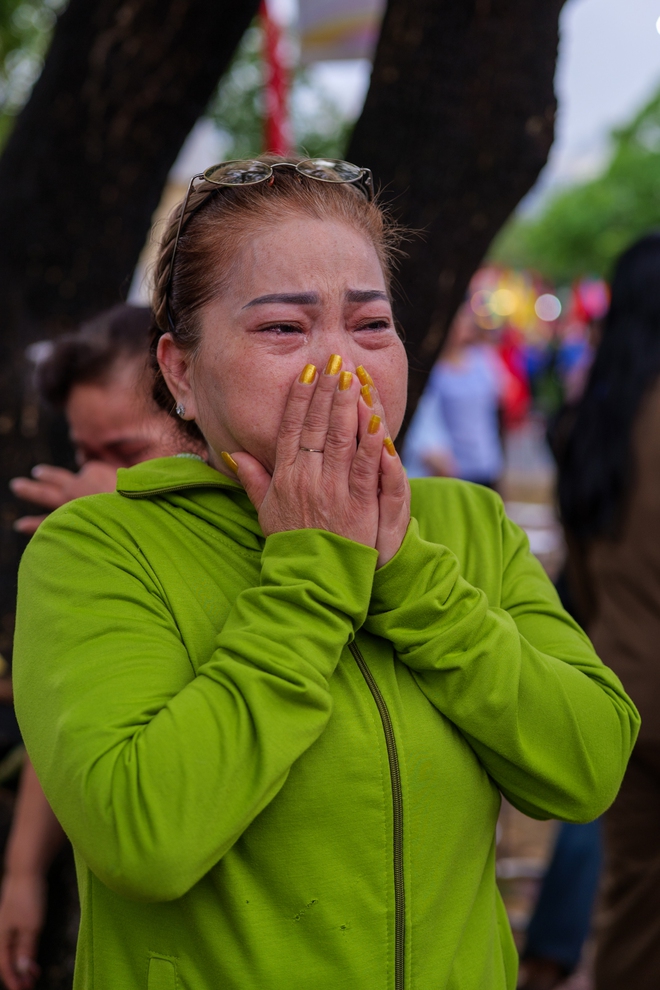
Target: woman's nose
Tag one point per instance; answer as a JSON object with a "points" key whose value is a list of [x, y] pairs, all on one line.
{"points": [[336, 355], [336, 363]]}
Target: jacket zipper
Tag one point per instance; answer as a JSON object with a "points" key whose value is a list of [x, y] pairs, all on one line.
{"points": [[397, 819], [395, 778]]}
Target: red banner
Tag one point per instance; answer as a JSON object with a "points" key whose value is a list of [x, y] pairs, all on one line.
{"points": [[277, 126]]}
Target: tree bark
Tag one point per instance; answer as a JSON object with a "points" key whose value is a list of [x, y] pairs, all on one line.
{"points": [[457, 124], [82, 173]]}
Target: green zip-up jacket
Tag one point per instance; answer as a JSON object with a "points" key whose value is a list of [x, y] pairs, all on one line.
{"points": [[279, 767]]}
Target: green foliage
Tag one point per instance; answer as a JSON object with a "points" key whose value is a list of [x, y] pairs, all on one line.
{"points": [[318, 125], [583, 229], [237, 108], [25, 30]]}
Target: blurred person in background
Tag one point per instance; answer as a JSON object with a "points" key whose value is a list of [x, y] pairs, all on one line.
{"points": [[455, 429], [562, 918], [609, 497], [516, 397], [97, 377], [561, 921]]}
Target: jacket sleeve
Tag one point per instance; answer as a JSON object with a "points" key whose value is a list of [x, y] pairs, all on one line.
{"points": [[153, 770], [550, 723]]}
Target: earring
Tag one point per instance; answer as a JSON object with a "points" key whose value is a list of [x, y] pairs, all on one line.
{"points": [[181, 410]]}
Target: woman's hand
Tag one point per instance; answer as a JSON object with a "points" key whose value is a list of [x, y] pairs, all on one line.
{"points": [[35, 837], [54, 486], [394, 495], [334, 469], [22, 908]]}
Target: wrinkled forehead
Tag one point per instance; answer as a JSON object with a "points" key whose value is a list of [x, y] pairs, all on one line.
{"points": [[303, 255]]}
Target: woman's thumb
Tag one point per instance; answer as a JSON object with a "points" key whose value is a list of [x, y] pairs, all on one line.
{"points": [[251, 474]]}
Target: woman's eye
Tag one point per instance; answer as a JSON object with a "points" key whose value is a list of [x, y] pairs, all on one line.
{"points": [[282, 328], [382, 324]]}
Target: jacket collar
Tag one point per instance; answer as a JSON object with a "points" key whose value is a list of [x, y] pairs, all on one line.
{"points": [[171, 474], [193, 486]]}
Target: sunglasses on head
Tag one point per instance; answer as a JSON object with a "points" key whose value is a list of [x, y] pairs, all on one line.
{"points": [[250, 172]]}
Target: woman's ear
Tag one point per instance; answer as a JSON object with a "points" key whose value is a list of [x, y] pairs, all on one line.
{"points": [[175, 366]]}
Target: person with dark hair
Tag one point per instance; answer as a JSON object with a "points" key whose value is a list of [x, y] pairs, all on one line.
{"points": [[608, 452], [99, 376], [455, 428], [274, 696], [94, 352]]}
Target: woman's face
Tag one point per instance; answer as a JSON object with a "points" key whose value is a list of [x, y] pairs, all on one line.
{"points": [[117, 422], [301, 291]]}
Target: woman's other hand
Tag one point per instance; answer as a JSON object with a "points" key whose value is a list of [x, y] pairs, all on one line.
{"points": [[323, 479], [394, 495], [22, 909], [54, 486]]}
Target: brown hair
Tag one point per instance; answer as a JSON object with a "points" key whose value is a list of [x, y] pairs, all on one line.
{"points": [[92, 353], [218, 229]]}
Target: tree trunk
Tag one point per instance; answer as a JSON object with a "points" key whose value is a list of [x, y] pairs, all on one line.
{"points": [[457, 124], [82, 173]]}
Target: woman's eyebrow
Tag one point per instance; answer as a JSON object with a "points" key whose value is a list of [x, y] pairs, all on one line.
{"points": [[292, 298], [365, 295]]}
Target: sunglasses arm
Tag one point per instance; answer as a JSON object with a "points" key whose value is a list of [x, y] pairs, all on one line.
{"points": [[176, 244]]}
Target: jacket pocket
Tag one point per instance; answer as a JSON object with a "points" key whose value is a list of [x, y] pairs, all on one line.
{"points": [[162, 974]]}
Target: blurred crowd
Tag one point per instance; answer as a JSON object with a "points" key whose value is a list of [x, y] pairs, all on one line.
{"points": [[515, 351], [586, 361]]}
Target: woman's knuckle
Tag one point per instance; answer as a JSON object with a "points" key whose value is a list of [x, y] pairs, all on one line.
{"points": [[287, 430], [361, 470], [340, 438], [315, 422]]}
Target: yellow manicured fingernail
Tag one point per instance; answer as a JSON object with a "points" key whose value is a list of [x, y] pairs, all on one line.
{"points": [[333, 365], [345, 380], [365, 392], [364, 376], [389, 446], [374, 423], [307, 375], [229, 461]]}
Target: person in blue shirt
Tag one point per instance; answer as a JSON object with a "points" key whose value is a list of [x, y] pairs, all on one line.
{"points": [[455, 428]]}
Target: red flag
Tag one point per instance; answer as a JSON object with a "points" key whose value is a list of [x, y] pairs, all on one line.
{"points": [[277, 127]]}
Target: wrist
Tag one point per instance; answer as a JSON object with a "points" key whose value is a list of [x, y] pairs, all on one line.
{"points": [[410, 573], [390, 546], [393, 558], [36, 866], [338, 572], [24, 876]]}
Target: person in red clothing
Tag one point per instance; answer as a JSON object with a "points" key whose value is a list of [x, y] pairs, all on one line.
{"points": [[516, 396]]}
